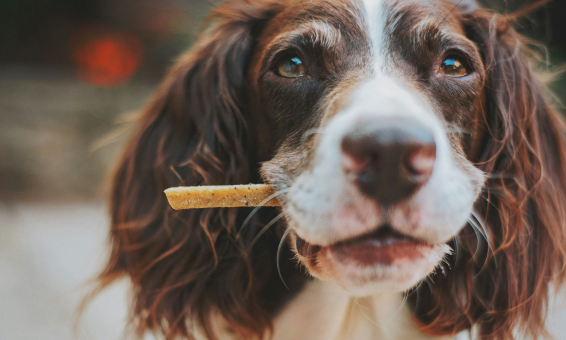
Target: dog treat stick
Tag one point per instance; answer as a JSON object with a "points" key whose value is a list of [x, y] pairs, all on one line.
{"points": [[223, 196]]}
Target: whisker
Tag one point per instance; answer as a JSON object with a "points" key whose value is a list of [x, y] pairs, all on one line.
{"points": [[478, 233], [429, 282], [417, 290], [310, 133], [458, 247], [452, 10], [445, 260], [447, 265], [279, 253], [264, 229], [442, 269], [458, 129], [476, 216], [478, 228], [247, 220], [366, 316], [403, 302], [492, 204], [359, 304], [500, 175], [486, 257], [405, 298]]}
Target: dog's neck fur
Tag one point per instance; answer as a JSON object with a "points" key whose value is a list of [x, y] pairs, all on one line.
{"points": [[325, 311]]}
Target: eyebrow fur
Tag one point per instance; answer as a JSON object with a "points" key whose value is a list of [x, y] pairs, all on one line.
{"points": [[321, 32]]}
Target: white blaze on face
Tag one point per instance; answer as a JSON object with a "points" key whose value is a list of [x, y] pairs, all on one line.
{"points": [[375, 19]]}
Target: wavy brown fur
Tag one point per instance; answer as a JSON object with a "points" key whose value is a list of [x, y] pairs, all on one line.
{"points": [[188, 266], [523, 205]]}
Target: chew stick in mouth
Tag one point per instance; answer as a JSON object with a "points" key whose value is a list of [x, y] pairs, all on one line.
{"points": [[222, 196]]}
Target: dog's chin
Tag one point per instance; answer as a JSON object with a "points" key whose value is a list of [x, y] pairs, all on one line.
{"points": [[380, 262]]}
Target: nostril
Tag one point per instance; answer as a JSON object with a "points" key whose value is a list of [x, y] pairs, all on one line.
{"points": [[355, 158], [421, 161], [352, 164]]}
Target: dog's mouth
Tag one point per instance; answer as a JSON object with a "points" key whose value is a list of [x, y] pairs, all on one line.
{"points": [[381, 246]]}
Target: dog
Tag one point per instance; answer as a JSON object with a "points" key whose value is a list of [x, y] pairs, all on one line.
{"points": [[418, 160]]}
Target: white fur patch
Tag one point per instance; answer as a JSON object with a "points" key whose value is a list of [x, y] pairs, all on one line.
{"points": [[323, 33], [376, 18]]}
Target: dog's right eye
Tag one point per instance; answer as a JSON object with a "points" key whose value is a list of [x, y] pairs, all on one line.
{"points": [[291, 67]]}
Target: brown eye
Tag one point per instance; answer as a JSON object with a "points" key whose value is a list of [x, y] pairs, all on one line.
{"points": [[291, 67], [454, 67]]}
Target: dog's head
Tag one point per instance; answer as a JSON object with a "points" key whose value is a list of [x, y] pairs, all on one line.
{"points": [[372, 161], [405, 139]]}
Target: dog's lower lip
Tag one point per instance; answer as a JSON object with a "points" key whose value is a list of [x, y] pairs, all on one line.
{"points": [[382, 246]]}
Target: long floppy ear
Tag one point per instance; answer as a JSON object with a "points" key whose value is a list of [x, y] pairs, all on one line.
{"points": [[187, 266], [503, 289]]}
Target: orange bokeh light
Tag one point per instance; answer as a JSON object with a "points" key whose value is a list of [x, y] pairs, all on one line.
{"points": [[106, 59]]}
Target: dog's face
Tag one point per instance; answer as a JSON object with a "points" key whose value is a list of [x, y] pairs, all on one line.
{"points": [[370, 99]]}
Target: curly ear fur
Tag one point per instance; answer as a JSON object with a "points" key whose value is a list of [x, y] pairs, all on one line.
{"points": [[504, 290], [186, 266]]}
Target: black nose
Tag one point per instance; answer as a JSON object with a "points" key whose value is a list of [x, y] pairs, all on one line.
{"points": [[390, 162]]}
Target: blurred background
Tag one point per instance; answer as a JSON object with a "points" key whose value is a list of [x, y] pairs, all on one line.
{"points": [[73, 73]]}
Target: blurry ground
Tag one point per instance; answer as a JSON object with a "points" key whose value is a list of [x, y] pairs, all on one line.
{"points": [[58, 137], [47, 252]]}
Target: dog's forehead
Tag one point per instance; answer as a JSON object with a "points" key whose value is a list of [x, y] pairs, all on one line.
{"points": [[376, 20]]}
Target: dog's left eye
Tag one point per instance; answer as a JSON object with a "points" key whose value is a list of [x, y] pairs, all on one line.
{"points": [[454, 67], [291, 67]]}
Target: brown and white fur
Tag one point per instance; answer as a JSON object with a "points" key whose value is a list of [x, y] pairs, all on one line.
{"points": [[424, 203]]}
